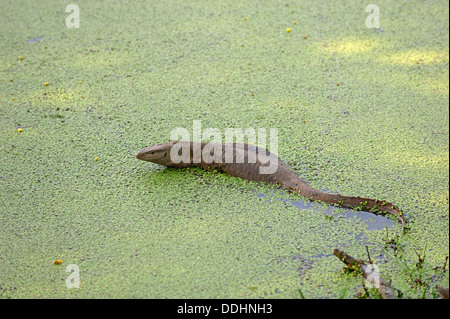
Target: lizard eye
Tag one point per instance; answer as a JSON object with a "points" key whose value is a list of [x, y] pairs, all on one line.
{"points": [[152, 153]]}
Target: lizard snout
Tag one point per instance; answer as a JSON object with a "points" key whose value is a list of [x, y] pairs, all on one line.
{"points": [[139, 154]]}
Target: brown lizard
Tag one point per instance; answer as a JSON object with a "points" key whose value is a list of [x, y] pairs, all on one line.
{"points": [[255, 164]]}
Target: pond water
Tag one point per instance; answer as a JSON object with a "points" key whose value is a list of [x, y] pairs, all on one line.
{"points": [[374, 222]]}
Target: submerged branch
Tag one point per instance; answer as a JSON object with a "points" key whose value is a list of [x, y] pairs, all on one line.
{"points": [[379, 283]]}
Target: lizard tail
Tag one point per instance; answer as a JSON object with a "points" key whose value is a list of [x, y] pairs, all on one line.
{"points": [[370, 205]]}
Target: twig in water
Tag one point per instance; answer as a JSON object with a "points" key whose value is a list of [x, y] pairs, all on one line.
{"points": [[383, 286]]}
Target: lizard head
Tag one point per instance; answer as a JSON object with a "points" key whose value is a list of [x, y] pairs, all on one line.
{"points": [[158, 154]]}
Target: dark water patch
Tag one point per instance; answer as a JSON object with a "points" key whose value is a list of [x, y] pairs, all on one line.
{"points": [[322, 256], [373, 221], [35, 40]]}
